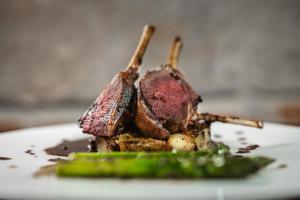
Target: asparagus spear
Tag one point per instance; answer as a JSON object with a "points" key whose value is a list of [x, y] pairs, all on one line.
{"points": [[197, 167], [213, 162]]}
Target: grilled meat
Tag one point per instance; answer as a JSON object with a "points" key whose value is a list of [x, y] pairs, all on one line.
{"points": [[160, 115], [106, 113], [166, 102]]}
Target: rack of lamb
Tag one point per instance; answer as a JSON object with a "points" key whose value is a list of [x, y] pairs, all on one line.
{"points": [[159, 115]]}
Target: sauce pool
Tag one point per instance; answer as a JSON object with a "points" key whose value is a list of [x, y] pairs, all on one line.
{"points": [[66, 147]]}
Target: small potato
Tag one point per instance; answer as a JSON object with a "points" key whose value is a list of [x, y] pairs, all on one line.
{"points": [[181, 142], [203, 139], [103, 145]]}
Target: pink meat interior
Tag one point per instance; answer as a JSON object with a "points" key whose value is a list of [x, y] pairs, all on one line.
{"points": [[167, 95]]}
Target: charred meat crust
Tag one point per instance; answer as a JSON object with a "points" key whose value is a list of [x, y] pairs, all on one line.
{"points": [[106, 113]]}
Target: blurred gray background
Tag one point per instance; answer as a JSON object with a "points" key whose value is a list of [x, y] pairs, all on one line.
{"points": [[243, 57]]}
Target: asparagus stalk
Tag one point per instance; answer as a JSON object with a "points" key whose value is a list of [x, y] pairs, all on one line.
{"points": [[202, 167], [213, 162]]}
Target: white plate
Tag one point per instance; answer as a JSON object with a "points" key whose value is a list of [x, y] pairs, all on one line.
{"points": [[278, 141]]}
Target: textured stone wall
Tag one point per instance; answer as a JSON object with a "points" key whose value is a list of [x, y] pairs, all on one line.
{"points": [[242, 56]]}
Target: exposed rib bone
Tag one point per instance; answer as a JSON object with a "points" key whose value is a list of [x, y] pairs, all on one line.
{"points": [[137, 57], [174, 52], [229, 119]]}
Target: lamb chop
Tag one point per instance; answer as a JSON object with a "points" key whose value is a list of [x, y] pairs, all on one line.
{"points": [[195, 137], [129, 140], [165, 101], [107, 112]]}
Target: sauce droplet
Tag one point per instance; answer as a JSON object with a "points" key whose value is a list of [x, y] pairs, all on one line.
{"points": [[56, 159], [4, 158], [66, 147]]}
